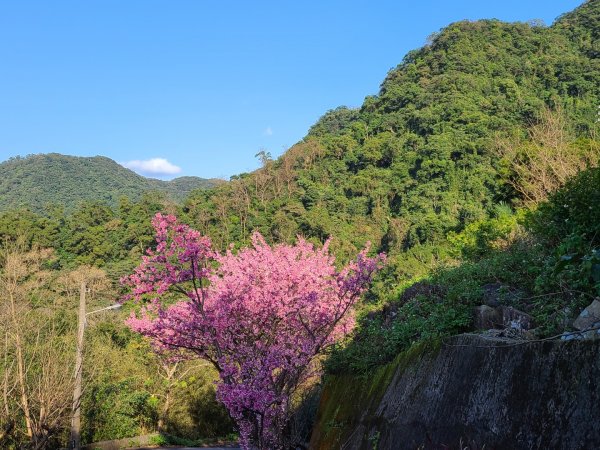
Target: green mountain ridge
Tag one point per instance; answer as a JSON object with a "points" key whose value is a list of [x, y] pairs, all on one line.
{"points": [[40, 180], [421, 159]]}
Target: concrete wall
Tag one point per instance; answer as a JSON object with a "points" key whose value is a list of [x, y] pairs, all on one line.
{"points": [[470, 392]]}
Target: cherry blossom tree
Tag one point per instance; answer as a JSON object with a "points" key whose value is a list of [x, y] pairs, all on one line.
{"points": [[261, 316]]}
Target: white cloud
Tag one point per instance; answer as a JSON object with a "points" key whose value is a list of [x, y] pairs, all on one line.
{"points": [[268, 132], [153, 166]]}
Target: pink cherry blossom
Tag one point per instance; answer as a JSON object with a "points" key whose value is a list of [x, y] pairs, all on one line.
{"points": [[261, 316]]}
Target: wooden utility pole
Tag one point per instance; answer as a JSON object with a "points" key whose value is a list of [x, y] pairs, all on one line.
{"points": [[75, 437]]}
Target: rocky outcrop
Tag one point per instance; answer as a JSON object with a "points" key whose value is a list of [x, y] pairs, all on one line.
{"points": [[470, 391], [589, 317]]}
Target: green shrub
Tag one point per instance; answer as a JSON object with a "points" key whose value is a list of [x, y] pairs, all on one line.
{"points": [[572, 211], [482, 236]]}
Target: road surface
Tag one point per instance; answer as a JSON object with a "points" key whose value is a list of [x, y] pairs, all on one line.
{"points": [[188, 448]]}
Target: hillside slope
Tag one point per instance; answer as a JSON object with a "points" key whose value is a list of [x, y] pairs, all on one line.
{"points": [[421, 158], [38, 180]]}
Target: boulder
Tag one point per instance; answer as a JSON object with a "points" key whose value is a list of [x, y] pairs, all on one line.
{"points": [[485, 317], [588, 317], [513, 318]]}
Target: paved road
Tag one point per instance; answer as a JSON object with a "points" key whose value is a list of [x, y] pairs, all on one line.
{"points": [[188, 448]]}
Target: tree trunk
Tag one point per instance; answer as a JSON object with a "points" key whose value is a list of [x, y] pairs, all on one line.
{"points": [[20, 366]]}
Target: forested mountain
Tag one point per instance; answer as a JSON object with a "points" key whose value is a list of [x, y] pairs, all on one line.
{"points": [[37, 181], [434, 150]]}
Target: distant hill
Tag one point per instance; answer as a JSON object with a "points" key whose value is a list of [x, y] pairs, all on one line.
{"points": [[38, 180]]}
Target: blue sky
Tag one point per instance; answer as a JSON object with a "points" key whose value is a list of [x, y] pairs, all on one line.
{"points": [[203, 86]]}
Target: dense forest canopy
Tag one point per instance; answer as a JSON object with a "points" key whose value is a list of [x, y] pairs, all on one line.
{"points": [[421, 158]]}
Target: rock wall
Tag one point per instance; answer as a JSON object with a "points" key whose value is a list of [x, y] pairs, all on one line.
{"points": [[471, 392]]}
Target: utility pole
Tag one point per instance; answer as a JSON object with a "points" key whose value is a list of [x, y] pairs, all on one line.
{"points": [[75, 437]]}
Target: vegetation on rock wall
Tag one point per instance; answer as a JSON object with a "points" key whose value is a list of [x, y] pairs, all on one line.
{"points": [[545, 261]]}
